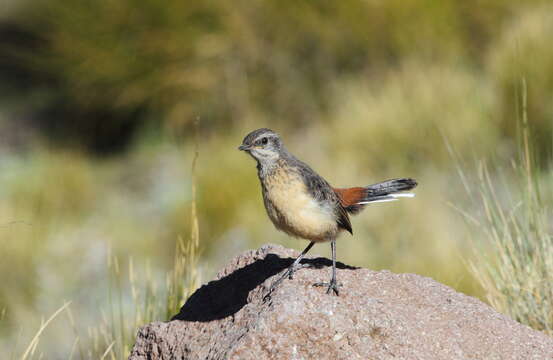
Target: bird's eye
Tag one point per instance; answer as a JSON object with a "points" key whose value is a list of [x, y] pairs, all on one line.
{"points": [[264, 141]]}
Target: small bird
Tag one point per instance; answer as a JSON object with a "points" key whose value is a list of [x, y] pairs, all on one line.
{"points": [[303, 204]]}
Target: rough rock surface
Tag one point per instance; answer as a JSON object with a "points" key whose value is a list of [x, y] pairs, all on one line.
{"points": [[378, 315]]}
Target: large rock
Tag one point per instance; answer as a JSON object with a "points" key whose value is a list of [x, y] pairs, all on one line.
{"points": [[378, 315]]}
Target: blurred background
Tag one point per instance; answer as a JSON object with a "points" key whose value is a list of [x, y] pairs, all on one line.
{"points": [[98, 101]]}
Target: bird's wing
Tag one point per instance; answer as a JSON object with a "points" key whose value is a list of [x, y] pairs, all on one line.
{"points": [[343, 219], [321, 190]]}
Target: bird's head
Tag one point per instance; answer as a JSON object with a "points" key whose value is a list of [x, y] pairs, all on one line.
{"points": [[264, 145]]}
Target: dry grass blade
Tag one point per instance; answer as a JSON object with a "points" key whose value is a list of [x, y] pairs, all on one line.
{"points": [[34, 342], [107, 350]]}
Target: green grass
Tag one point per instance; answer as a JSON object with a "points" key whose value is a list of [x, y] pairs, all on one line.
{"points": [[133, 300], [131, 305], [362, 91], [514, 262], [170, 62]]}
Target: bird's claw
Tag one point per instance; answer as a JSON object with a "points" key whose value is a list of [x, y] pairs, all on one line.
{"points": [[296, 268], [289, 273], [332, 285]]}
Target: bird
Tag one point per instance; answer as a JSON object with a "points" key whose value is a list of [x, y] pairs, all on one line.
{"points": [[301, 203]]}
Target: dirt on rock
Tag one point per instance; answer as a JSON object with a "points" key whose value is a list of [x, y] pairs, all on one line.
{"points": [[378, 315]]}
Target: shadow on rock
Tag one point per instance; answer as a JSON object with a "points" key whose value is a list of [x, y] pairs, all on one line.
{"points": [[226, 296]]}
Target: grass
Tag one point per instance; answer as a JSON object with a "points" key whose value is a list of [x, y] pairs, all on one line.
{"points": [[31, 348], [149, 301], [154, 303], [362, 91], [424, 243], [136, 300], [114, 337], [515, 262]]}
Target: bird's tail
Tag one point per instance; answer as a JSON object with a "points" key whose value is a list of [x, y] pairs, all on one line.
{"points": [[387, 190], [354, 199]]}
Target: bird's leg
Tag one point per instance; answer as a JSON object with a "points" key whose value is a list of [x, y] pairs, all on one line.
{"points": [[291, 269], [332, 285]]}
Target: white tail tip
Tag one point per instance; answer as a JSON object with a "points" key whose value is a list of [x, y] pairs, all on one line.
{"points": [[388, 198], [404, 195], [375, 201]]}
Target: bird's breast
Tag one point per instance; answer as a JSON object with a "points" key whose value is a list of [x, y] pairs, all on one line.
{"points": [[293, 209]]}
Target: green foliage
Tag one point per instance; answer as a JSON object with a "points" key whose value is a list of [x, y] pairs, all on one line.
{"points": [[43, 195], [524, 50], [361, 90], [515, 262], [431, 107], [140, 300], [112, 337], [132, 301], [179, 59]]}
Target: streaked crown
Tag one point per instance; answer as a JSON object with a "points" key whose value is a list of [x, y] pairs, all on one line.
{"points": [[263, 144], [258, 134]]}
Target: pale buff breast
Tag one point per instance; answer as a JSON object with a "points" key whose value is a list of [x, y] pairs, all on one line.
{"points": [[293, 210]]}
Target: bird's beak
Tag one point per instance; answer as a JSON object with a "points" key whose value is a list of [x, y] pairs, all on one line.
{"points": [[243, 147]]}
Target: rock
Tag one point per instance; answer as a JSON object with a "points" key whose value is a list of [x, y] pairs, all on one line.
{"points": [[378, 315]]}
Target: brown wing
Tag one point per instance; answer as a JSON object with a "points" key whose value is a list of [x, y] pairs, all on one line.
{"points": [[343, 219], [348, 198], [323, 192]]}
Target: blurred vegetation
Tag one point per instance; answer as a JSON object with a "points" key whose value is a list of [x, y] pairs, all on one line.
{"points": [[98, 101], [515, 266], [521, 53], [103, 67]]}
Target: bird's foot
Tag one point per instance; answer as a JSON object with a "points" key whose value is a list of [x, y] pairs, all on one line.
{"points": [[289, 273], [332, 285], [292, 270]]}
